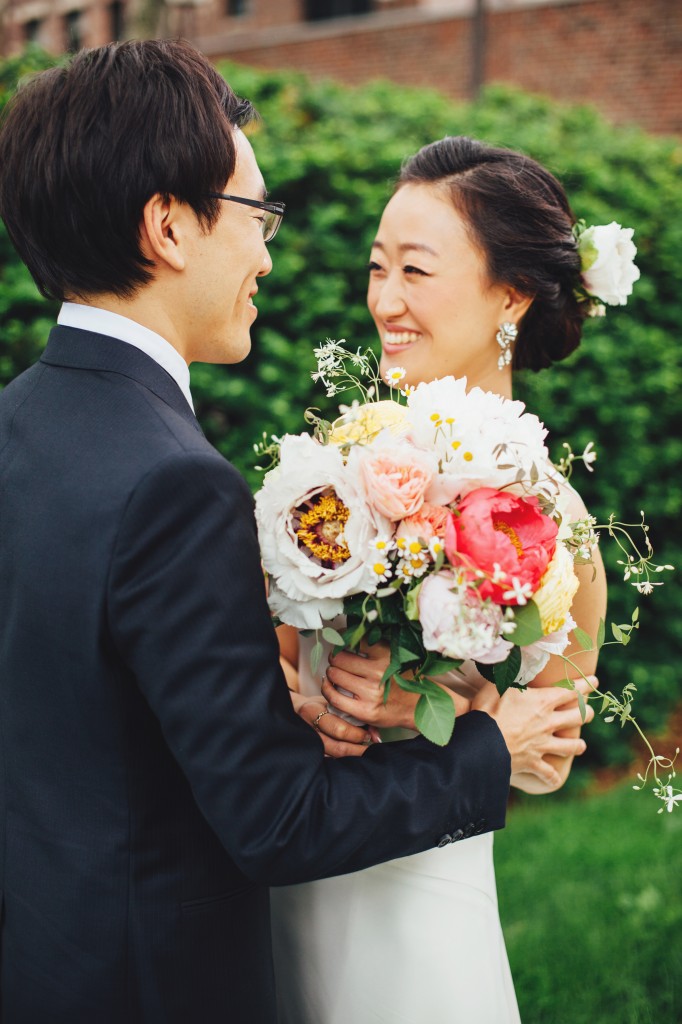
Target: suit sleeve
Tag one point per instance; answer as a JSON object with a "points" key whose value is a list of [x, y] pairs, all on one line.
{"points": [[188, 614]]}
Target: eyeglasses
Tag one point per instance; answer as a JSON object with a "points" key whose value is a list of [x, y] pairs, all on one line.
{"points": [[273, 212]]}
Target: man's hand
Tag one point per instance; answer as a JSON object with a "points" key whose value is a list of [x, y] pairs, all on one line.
{"points": [[532, 723]]}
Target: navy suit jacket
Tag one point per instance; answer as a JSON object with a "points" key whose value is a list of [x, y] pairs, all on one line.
{"points": [[154, 779]]}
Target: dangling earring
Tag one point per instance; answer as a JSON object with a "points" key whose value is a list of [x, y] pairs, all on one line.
{"points": [[505, 337]]}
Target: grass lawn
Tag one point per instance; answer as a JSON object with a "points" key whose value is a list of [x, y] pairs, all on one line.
{"points": [[590, 892]]}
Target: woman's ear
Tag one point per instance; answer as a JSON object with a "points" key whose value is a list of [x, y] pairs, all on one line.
{"points": [[516, 305], [161, 233]]}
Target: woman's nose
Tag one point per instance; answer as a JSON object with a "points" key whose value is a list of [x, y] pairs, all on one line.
{"points": [[390, 299]]}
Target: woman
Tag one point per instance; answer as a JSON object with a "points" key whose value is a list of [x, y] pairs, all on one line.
{"points": [[474, 271]]}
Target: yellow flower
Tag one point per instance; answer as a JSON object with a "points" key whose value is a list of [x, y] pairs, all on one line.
{"points": [[361, 425], [557, 590]]}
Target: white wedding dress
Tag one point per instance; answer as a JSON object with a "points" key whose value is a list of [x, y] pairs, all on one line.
{"points": [[414, 941]]}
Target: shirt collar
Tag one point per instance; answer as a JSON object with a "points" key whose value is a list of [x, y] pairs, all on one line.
{"points": [[103, 321]]}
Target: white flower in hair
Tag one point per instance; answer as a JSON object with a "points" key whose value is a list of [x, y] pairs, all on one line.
{"points": [[607, 255]]}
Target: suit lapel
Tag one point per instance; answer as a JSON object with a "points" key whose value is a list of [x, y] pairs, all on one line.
{"points": [[85, 350]]}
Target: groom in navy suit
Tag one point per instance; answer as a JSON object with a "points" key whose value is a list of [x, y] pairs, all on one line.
{"points": [[154, 779]]}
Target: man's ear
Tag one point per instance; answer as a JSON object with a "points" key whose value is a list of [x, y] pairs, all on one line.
{"points": [[160, 232]]}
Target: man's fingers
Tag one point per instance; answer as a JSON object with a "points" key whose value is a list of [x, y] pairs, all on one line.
{"points": [[563, 747], [333, 748], [546, 773], [571, 718]]}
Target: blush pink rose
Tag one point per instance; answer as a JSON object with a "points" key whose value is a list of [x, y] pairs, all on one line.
{"points": [[498, 533], [395, 479], [429, 522]]}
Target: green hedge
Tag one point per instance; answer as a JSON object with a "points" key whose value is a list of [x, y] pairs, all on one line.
{"points": [[331, 152]]}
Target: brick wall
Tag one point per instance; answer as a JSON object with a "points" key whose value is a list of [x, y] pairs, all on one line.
{"points": [[623, 56]]}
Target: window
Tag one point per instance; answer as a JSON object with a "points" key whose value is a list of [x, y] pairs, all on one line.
{"points": [[32, 30], [317, 10], [235, 8], [73, 31], [116, 20]]}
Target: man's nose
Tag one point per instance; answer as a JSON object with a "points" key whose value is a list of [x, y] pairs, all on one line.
{"points": [[266, 265]]}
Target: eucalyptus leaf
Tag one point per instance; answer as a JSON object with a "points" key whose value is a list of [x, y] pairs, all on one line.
{"points": [[583, 638], [332, 636], [601, 633], [316, 657]]}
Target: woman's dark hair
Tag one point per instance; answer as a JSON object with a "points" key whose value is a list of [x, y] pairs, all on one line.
{"points": [[519, 218], [84, 146]]}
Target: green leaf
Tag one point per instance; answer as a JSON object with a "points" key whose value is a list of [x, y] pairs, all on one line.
{"points": [[434, 716], [352, 637], [601, 634], [411, 605], [486, 671], [528, 625], [506, 672], [583, 638], [440, 666], [581, 705], [332, 636], [393, 669]]}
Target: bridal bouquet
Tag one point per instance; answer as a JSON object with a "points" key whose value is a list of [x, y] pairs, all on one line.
{"points": [[435, 521]]}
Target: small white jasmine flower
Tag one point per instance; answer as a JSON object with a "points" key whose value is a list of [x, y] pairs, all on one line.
{"points": [[589, 456], [669, 797], [520, 592]]}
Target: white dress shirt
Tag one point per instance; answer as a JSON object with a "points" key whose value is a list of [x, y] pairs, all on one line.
{"points": [[102, 321]]}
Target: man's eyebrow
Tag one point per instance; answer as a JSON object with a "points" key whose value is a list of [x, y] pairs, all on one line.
{"points": [[419, 246]]}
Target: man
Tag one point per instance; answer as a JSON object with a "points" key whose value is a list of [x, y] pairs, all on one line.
{"points": [[155, 779]]}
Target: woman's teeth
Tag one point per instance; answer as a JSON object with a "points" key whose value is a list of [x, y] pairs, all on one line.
{"points": [[400, 337]]}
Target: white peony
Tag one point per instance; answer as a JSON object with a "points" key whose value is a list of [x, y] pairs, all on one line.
{"points": [[466, 430], [456, 623], [607, 255], [315, 528]]}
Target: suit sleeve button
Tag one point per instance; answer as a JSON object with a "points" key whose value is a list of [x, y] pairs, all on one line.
{"points": [[456, 836], [444, 840]]}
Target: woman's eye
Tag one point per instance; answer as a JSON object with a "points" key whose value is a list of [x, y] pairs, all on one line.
{"points": [[414, 270], [372, 266]]}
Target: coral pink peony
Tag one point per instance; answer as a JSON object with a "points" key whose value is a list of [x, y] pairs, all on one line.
{"points": [[429, 522], [395, 479], [505, 537]]}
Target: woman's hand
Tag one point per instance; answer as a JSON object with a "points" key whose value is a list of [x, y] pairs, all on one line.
{"points": [[360, 675], [340, 738]]}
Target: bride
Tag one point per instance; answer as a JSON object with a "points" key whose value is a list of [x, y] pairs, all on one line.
{"points": [[474, 272]]}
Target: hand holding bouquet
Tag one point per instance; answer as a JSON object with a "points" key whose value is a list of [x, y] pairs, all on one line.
{"points": [[438, 526]]}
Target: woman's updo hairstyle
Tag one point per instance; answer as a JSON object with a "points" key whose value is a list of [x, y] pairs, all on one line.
{"points": [[519, 218]]}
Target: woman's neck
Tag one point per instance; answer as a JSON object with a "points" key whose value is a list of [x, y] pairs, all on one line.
{"points": [[495, 380]]}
